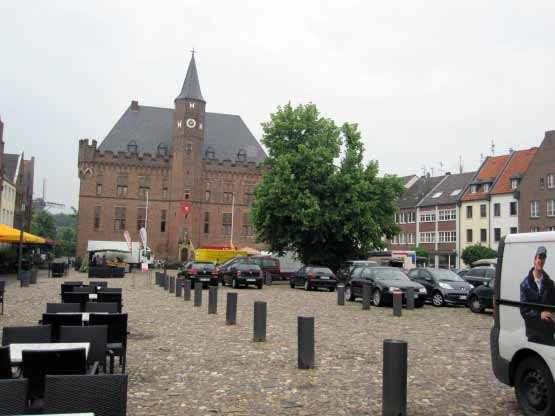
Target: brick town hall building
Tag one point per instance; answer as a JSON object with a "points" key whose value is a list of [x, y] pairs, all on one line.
{"points": [[185, 160]]}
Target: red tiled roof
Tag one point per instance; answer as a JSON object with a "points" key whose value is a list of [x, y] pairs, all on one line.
{"points": [[518, 165], [490, 170]]}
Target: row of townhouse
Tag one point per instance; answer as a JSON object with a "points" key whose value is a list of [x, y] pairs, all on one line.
{"points": [[16, 187], [507, 194]]}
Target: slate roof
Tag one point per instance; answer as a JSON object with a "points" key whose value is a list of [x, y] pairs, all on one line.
{"points": [[10, 162], [413, 195], [191, 85], [445, 189], [488, 172], [517, 167], [149, 127]]}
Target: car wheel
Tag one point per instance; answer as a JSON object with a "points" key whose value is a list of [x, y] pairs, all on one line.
{"points": [[437, 299], [331, 289], [234, 284], [349, 294], [377, 298], [306, 285], [259, 285], [475, 305], [534, 387], [418, 304]]}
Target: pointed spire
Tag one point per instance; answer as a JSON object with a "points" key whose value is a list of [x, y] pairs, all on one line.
{"points": [[191, 86]]}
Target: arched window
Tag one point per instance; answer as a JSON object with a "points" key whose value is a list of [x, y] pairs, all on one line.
{"points": [[132, 147], [210, 154], [242, 155], [162, 149]]}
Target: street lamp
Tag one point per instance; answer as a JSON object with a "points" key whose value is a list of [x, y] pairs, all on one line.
{"points": [[22, 219]]}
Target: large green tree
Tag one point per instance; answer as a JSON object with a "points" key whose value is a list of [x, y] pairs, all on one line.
{"points": [[43, 224], [477, 252], [317, 197]]}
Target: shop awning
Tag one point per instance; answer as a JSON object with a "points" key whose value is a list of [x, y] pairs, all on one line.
{"points": [[12, 235]]}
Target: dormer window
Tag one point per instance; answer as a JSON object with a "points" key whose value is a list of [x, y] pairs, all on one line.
{"points": [[514, 183], [210, 154], [486, 187], [162, 149], [132, 147], [473, 189], [242, 155]]}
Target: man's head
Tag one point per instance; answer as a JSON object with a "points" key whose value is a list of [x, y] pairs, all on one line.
{"points": [[539, 259]]}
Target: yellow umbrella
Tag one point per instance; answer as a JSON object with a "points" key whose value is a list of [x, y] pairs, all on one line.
{"points": [[12, 235]]}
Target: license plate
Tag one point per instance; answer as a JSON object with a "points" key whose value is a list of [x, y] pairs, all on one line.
{"points": [[204, 280], [251, 280], [462, 297], [324, 277]]}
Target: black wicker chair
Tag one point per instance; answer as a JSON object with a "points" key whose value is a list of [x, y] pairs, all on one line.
{"points": [[107, 307], [14, 396], [5, 363], [111, 298], [84, 289], [96, 336], [63, 307], [70, 297], [57, 320], [103, 395], [36, 364], [26, 334], [117, 336], [2, 290]]}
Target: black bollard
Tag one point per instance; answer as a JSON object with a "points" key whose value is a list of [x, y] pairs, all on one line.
{"points": [[305, 332], [178, 287], [157, 278], [172, 284], [397, 303], [341, 295], [212, 300], [231, 309], [394, 399], [166, 282], [268, 279], [25, 279], [198, 294], [34, 275], [260, 313], [366, 297], [410, 298], [187, 289]]}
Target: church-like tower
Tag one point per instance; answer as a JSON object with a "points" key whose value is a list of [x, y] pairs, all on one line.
{"points": [[186, 161]]}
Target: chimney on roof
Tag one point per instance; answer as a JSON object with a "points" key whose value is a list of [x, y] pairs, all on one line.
{"points": [[134, 105], [447, 173]]}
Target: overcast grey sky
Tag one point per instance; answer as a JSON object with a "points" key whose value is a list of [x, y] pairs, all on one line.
{"points": [[427, 81]]}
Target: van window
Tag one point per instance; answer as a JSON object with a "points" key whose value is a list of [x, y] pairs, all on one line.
{"points": [[477, 273], [489, 273], [269, 263]]}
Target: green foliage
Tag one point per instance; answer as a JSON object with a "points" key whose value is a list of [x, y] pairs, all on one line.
{"points": [[477, 252], [420, 252], [43, 225], [317, 197]]}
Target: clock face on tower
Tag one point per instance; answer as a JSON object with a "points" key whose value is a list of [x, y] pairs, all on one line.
{"points": [[191, 123]]}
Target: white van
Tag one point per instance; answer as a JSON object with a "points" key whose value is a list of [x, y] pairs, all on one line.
{"points": [[523, 335]]}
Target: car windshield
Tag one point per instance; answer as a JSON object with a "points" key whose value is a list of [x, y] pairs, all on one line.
{"points": [[248, 266], [200, 265], [269, 263], [320, 270], [363, 264], [390, 274], [447, 276]]}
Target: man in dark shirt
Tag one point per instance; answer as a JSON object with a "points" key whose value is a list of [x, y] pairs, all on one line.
{"points": [[537, 287]]}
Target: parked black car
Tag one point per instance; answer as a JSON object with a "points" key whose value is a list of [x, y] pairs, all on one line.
{"points": [[442, 286], [481, 297], [383, 281], [200, 271], [478, 275], [347, 267], [243, 274], [313, 277]]}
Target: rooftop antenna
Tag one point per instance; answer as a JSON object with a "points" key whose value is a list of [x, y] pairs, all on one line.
{"points": [[432, 170], [492, 148], [423, 170], [460, 164], [481, 158], [441, 168]]}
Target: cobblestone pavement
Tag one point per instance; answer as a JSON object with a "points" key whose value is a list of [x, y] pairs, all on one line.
{"points": [[183, 361]]}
